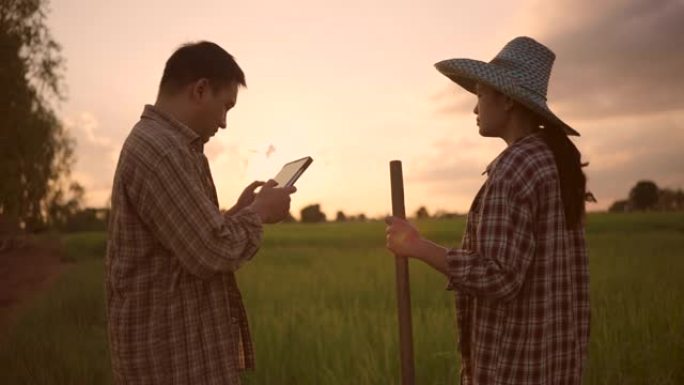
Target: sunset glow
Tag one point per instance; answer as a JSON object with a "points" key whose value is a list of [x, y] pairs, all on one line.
{"points": [[352, 84]]}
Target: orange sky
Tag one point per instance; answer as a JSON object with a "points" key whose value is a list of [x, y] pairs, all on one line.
{"points": [[351, 83]]}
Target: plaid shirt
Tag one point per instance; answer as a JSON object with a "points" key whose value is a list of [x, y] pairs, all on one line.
{"points": [[521, 277], [174, 311]]}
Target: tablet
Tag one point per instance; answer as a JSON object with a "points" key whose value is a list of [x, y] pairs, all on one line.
{"points": [[290, 172]]}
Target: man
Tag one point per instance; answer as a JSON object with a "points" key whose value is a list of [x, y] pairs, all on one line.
{"points": [[521, 273], [174, 311]]}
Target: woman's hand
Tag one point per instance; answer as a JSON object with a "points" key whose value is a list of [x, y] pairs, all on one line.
{"points": [[402, 237]]}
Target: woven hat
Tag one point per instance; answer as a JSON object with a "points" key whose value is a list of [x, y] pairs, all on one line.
{"points": [[521, 70]]}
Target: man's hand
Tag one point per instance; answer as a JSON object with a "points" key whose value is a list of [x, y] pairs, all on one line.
{"points": [[248, 194], [402, 238], [246, 198], [272, 203]]}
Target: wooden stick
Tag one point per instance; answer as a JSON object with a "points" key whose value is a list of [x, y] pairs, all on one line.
{"points": [[403, 288]]}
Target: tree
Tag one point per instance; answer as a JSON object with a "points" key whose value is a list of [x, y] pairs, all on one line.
{"points": [[670, 200], [312, 214], [289, 218], [443, 214], [644, 195], [619, 206], [61, 210], [340, 217], [88, 219], [422, 213], [36, 154]]}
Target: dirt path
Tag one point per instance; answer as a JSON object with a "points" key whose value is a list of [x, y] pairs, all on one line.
{"points": [[25, 272]]}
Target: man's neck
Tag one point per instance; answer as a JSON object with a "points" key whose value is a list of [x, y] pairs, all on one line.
{"points": [[175, 109]]}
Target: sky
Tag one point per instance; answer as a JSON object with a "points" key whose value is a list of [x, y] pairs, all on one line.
{"points": [[351, 83]]}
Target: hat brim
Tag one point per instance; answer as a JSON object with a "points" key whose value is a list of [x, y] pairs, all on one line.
{"points": [[467, 73]]}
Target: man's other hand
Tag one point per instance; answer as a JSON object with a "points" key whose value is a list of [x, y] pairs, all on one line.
{"points": [[272, 203], [248, 195]]}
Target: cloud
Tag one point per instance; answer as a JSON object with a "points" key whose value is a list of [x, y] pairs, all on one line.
{"points": [[614, 57], [620, 152], [452, 99], [625, 151], [454, 157], [617, 78], [450, 170], [270, 150], [96, 156], [618, 58]]}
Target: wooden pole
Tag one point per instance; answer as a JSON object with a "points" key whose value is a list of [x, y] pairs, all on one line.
{"points": [[402, 277]]}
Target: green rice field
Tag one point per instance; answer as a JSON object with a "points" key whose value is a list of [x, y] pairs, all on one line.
{"points": [[322, 308]]}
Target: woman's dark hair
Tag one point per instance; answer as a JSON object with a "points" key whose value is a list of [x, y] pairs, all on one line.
{"points": [[195, 61], [573, 182]]}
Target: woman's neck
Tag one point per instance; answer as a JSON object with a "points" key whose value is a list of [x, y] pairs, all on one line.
{"points": [[518, 127]]}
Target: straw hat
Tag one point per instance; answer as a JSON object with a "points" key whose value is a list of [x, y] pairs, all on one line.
{"points": [[521, 70]]}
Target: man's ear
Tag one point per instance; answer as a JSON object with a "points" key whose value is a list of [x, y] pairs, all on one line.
{"points": [[199, 89]]}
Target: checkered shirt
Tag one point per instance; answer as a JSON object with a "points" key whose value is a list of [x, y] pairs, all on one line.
{"points": [[521, 277], [174, 311]]}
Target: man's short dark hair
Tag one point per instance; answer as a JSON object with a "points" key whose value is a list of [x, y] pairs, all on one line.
{"points": [[194, 61]]}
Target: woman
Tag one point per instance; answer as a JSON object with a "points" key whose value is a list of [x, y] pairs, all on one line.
{"points": [[521, 273]]}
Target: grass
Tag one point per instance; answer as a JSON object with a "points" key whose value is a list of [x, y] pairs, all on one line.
{"points": [[60, 339], [84, 246], [322, 308]]}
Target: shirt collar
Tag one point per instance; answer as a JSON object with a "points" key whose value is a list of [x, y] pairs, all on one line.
{"points": [[490, 166], [190, 136], [518, 142]]}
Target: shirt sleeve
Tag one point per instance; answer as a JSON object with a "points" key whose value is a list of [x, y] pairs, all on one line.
{"points": [[174, 205], [503, 248]]}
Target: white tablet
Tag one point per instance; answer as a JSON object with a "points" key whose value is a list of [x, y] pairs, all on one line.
{"points": [[290, 172]]}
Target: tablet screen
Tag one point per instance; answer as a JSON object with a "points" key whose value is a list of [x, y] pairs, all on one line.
{"points": [[291, 171]]}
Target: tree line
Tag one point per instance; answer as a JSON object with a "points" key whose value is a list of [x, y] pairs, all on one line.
{"points": [[313, 214], [647, 196]]}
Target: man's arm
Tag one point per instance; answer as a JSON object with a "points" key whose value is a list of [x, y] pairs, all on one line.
{"points": [[173, 204]]}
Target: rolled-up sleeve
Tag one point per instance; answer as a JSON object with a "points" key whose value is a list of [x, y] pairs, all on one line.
{"points": [[174, 205], [503, 249]]}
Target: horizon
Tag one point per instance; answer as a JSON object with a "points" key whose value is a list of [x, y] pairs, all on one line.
{"points": [[350, 85]]}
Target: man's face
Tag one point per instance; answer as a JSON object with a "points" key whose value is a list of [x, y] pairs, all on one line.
{"points": [[212, 107], [490, 111]]}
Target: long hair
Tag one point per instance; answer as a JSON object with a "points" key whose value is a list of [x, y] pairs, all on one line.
{"points": [[573, 182]]}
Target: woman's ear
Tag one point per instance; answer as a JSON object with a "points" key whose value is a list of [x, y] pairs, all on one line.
{"points": [[509, 103]]}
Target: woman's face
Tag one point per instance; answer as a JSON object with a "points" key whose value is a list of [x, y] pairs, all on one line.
{"points": [[490, 111]]}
